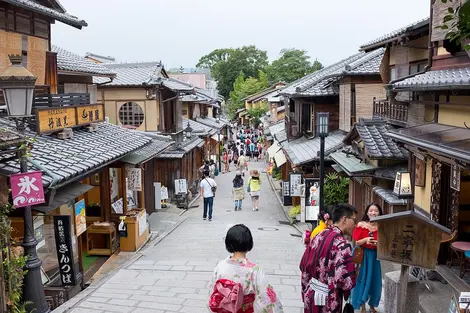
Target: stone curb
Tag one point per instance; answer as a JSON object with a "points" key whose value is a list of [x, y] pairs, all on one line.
{"points": [[271, 182], [70, 304]]}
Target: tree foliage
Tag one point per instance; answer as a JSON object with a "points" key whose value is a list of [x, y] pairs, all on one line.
{"points": [[457, 22], [226, 64], [336, 189], [292, 65], [243, 88]]}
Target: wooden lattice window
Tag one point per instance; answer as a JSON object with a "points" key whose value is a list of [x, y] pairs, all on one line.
{"points": [[131, 114]]}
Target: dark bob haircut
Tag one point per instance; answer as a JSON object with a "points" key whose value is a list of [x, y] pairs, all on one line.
{"points": [[366, 218], [239, 239]]}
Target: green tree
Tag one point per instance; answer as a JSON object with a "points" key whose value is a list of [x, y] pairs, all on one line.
{"points": [[243, 88], [292, 65], [457, 22], [226, 64]]}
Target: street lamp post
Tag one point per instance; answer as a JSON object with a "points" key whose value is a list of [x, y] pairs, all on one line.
{"points": [[322, 131], [17, 84], [218, 142], [188, 131]]}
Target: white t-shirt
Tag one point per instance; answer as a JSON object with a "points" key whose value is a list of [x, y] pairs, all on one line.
{"points": [[206, 185]]}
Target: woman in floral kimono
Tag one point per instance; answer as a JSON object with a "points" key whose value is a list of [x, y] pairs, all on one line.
{"points": [[328, 272], [237, 285]]}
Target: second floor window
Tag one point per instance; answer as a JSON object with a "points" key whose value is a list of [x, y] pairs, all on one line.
{"points": [[131, 114]]}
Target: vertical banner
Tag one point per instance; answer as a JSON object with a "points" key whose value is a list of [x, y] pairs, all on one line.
{"points": [[63, 243], [312, 199], [295, 180], [80, 217], [134, 179]]}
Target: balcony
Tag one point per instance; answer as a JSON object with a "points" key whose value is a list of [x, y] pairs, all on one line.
{"points": [[42, 98], [394, 113]]}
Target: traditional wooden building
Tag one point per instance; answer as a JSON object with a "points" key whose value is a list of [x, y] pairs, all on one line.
{"points": [[371, 161], [325, 91]]}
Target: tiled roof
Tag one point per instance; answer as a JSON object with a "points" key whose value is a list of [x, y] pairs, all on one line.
{"points": [[351, 164], [319, 83], [368, 64], [377, 146], [305, 150], [396, 33], [186, 146], [85, 151], [175, 84], [101, 58], [52, 13], [434, 80], [132, 74], [198, 128], [281, 136], [279, 126], [388, 196], [147, 152], [71, 62], [211, 122]]}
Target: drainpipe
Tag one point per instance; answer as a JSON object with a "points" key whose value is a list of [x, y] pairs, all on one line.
{"points": [[48, 172], [430, 45]]}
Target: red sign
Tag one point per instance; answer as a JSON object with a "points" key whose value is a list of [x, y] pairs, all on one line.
{"points": [[27, 189]]}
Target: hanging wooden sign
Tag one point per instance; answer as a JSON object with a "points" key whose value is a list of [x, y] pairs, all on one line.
{"points": [[455, 178], [420, 173], [53, 119]]}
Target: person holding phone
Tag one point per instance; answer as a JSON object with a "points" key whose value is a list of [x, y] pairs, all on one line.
{"points": [[369, 281]]}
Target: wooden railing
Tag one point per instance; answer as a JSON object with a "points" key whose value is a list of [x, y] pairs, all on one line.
{"points": [[393, 112], [48, 100]]}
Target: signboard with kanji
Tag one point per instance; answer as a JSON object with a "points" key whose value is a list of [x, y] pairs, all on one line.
{"points": [[54, 119], [63, 242], [89, 114], [295, 180], [27, 189], [409, 238]]}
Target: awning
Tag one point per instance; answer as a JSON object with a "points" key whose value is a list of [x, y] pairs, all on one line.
{"points": [[275, 147], [337, 168], [62, 196], [280, 158], [216, 137], [351, 164], [446, 140], [388, 196]]}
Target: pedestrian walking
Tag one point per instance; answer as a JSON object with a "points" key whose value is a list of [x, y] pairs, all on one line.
{"points": [[238, 191], [225, 159], [239, 285], [327, 268], [325, 221], [242, 163], [252, 150], [212, 168], [369, 281], [254, 188], [208, 189]]}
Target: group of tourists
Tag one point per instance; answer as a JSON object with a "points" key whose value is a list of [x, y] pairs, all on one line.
{"points": [[330, 273]]}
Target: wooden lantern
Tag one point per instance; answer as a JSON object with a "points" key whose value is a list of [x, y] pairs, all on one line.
{"points": [[409, 238]]}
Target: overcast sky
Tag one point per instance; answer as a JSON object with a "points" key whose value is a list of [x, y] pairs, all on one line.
{"points": [[179, 32]]}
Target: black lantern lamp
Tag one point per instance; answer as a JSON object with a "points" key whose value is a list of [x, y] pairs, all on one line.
{"points": [[322, 132], [322, 123], [188, 131], [17, 84]]}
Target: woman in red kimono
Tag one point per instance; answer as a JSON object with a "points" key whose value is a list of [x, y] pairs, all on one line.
{"points": [[328, 272]]}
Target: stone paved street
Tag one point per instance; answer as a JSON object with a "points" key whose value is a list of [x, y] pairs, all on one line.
{"points": [[173, 275]]}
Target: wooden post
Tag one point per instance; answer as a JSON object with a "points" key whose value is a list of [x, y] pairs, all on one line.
{"points": [[403, 288]]}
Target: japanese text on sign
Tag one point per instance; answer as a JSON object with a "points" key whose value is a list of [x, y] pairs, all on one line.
{"points": [[89, 114], [402, 244], [64, 249], [59, 118]]}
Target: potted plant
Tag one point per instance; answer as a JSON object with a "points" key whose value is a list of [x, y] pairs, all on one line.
{"points": [[294, 213]]}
